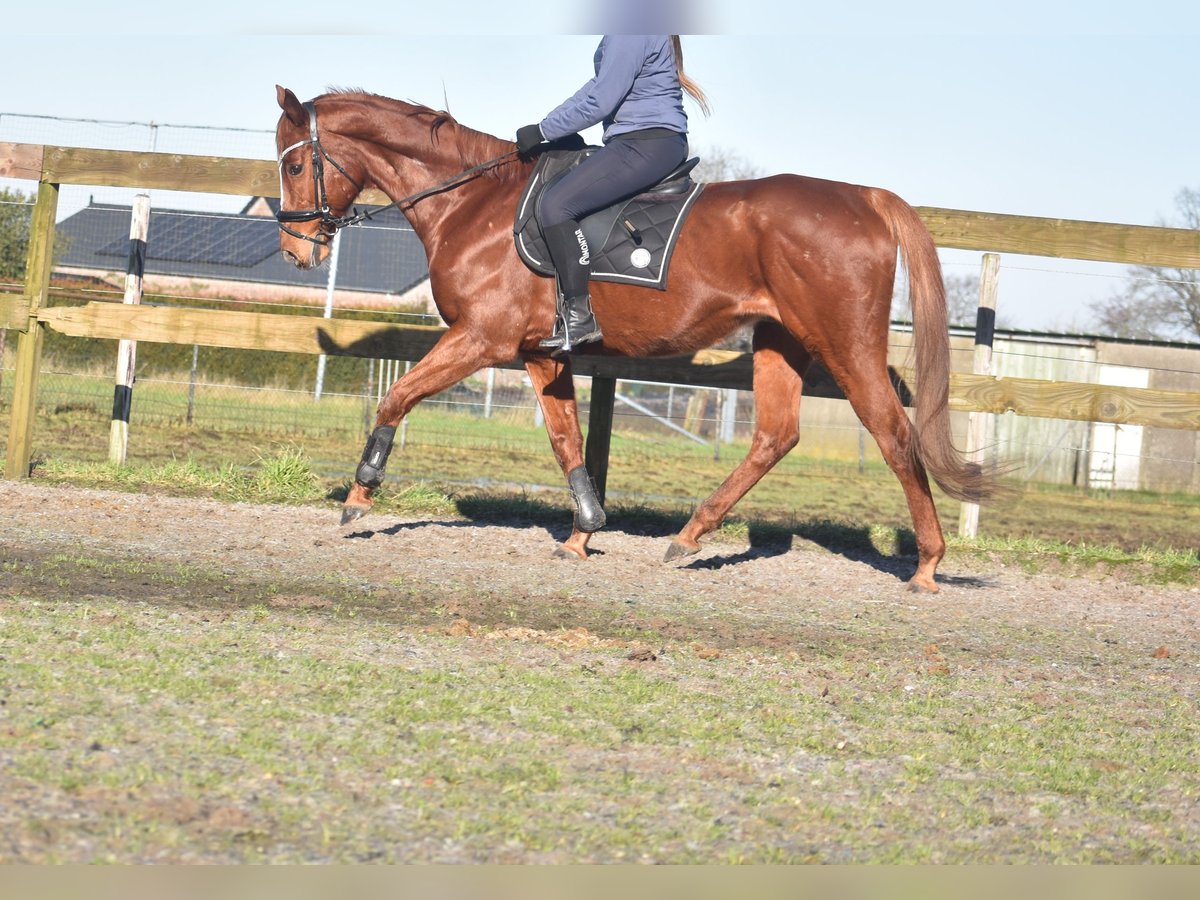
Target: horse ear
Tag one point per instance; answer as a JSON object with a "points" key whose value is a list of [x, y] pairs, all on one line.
{"points": [[291, 106]]}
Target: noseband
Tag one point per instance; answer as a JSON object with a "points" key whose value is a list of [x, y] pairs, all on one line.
{"points": [[329, 222]]}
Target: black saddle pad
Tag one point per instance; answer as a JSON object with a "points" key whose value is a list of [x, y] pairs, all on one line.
{"points": [[637, 236]]}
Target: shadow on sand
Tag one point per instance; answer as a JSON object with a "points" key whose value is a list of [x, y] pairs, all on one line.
{"points": [[852, 542]]}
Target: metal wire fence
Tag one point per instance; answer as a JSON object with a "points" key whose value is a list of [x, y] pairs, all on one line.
{"points": [[493, 431], [221, 251], [101, 134]]}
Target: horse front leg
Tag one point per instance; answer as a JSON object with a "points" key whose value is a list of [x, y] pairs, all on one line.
{"points": [[456, 355], [555, 389]]}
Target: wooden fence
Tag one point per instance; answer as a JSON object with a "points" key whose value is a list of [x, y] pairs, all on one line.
{"points": [[29, 314]]}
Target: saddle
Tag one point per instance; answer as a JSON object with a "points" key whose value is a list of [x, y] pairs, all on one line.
{"points": [[636, 237]]}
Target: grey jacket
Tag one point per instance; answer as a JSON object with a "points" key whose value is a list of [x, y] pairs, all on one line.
{"points": [[635, 88]]}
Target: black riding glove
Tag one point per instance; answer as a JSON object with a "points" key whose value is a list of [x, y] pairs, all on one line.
{"points": [[528, 137]]}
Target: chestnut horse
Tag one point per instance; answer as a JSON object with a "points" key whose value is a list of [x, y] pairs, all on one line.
{"points": [[810, 264]]}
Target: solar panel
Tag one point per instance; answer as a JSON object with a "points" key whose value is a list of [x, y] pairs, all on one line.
{"points": [[242, 242]]}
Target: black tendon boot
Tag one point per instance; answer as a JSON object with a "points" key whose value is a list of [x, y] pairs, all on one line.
{"points": [[589, 514], [572, 260]]}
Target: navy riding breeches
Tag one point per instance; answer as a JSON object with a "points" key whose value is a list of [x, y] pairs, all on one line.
{"points": [[627, 165]]}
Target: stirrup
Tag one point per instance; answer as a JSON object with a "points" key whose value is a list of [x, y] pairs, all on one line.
{"points": [[586, 329], [558, 336], [565, 342]]}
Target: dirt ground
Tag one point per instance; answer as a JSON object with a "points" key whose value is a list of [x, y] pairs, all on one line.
{"points": [[498, 559], [749, 603], [484, 566]]}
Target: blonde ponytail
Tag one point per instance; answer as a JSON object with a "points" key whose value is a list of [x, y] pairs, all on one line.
{"points": [[690, 87]]}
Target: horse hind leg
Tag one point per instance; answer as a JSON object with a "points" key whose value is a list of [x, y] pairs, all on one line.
{"points": [[875, 402], [779, 366]]}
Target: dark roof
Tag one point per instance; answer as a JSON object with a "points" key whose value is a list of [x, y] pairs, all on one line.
{"points": [[381, 256]]}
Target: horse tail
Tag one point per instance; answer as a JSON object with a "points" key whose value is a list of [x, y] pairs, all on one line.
{"points": [[933, 446]]}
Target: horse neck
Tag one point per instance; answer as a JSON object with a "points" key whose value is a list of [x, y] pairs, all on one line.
{"points": [[419, 148]]}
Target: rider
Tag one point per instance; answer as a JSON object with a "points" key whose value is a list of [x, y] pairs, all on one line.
{"points": [[638, 94]]}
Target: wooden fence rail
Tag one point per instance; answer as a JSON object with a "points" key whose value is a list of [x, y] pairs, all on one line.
{"points": [[951, 228], [28, 313], [711, 368]]}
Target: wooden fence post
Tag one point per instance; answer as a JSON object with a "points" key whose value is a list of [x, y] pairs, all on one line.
{"points": [[139, 227], [39, 260], [985, 329], [599, 435]]}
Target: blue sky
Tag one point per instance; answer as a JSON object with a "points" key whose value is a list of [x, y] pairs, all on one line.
{"points": [[1022, 108]]}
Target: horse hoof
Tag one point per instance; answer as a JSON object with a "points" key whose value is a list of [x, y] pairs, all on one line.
{"points": [[563, 552], [353, 513], [918, 587], [677, 550]]}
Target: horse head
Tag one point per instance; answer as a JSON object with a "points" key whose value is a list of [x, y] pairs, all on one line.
{"points": [[315, 188]]}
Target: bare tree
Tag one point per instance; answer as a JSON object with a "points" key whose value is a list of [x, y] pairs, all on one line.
{"points": [[15, 212], [1157, 303], [722, 164], [962, 301], [16, 216]]}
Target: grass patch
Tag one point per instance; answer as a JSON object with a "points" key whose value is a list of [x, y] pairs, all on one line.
{"points": [[259, 733], [1145, 565], [284, 476], [286, 473], [416, 499]]}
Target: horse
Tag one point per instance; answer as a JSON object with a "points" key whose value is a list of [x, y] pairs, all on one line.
{"points": [[808, 264]]}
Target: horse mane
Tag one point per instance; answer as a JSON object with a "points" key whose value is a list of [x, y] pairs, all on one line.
{"points": [[474, 147]]}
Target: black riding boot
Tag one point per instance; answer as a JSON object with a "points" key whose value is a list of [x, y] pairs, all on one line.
{"points": [[576, 324]]}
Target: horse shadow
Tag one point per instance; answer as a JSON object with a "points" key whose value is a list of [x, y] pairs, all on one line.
{"points": [[852, 542], [396, 528], [764, 540], [848, 541], [477, 511]]}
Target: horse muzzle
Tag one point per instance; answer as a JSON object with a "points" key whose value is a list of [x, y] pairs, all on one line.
{"points": [[312, 259], [302, 250]]}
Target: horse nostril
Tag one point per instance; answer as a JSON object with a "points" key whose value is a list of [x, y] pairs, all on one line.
{"points": [[293, 259]]}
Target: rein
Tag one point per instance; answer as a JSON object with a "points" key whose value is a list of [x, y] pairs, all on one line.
{"points": [[331, 223]]}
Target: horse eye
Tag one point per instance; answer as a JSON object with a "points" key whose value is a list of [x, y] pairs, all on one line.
{"points": [[295, 169]]}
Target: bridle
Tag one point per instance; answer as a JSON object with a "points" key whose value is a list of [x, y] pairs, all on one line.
{"points": [[331, 223]]}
